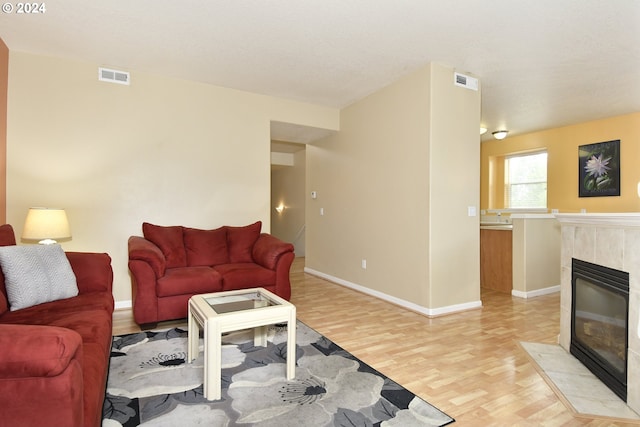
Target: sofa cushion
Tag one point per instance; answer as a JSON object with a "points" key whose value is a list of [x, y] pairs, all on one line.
{"points": [[36, 274], [206, 247], [96, 331], [189, 280], [93, 271], [245, 275], [50, 313], [7, 238], [240, 241], [169, 240]]}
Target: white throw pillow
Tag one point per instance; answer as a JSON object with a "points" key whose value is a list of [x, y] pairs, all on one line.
{"points": [[36, 274]]}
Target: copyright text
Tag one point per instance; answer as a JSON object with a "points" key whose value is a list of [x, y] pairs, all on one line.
{"points": [[24, 8]]}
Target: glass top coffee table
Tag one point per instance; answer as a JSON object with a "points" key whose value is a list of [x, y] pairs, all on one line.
{"points": [[221, 312]]}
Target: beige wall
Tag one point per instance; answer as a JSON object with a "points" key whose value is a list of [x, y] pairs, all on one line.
{"points": [[288, 188], [395, 184], [161, 150], [562, 173], [454, 187], [536, 255]]}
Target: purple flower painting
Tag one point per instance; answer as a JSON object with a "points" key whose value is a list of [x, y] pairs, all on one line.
{"points": [[599, 169]]}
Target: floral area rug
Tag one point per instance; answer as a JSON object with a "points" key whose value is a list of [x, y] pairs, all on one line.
{"points": [[150, 384]]}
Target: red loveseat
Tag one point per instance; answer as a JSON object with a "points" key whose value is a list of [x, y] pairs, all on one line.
{"points": [[171, 264], [54, 356]]}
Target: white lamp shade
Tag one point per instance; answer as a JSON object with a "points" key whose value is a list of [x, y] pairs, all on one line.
{"points": [[46, 224]]}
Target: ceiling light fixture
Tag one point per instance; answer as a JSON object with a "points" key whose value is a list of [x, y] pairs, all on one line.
{"points": [[483, 130], [500, 134]]}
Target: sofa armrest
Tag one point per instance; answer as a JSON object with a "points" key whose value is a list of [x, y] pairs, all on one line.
{"points": [[147, 264], [30, 351], [141, 249], [41, 376], [93, 271], [268, 249]]}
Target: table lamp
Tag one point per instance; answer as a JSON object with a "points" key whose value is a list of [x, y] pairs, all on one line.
{"points": [[46, 225]]}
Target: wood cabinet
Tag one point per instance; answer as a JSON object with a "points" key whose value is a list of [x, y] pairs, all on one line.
{"points": [[496, 260]]}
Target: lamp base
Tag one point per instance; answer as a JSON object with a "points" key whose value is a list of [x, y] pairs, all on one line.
{"points": [[47, 242]]}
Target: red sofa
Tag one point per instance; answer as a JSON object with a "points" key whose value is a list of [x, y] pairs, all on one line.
{"points": [[171, 264], [54, 356]]}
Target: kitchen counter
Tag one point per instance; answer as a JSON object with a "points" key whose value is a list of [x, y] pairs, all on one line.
{"points": [[495, 226], [520, 253]]}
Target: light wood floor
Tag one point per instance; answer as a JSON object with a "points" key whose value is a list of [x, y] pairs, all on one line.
{"points": [[467, 364]]}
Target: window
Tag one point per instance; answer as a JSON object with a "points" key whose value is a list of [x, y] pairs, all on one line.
{"points": [[526, 180]]}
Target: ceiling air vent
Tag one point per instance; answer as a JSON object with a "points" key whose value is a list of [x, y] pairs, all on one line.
{"points": [[113, 76], [465, 81]]}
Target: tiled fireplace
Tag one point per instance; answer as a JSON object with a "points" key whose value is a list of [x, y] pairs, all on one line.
{"points": [[613, 241]]}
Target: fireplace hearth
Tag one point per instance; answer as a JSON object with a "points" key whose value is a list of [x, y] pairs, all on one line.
{"points": [[599, 322]]}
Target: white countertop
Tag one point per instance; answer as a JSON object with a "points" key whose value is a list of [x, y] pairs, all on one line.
{"points": [[494, 226], [533, 216]]}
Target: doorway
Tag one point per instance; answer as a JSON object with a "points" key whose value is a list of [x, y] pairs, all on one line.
{"points": [[288, 172]]}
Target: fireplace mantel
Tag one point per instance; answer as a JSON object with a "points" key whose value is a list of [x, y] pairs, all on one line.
{"points": [[628, 219]]}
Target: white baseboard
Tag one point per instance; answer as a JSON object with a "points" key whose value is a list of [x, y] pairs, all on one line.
{"points": [[432, 312], [123, 304], [536, 293]]}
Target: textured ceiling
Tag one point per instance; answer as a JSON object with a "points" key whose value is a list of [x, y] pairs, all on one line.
{"points": [[541, 63]]}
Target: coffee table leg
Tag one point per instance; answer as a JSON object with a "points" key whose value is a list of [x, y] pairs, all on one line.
{"points": [[260, 336], [291, 345], [212, 386], [194, 338]]}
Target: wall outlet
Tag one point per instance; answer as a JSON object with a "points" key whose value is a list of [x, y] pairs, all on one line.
{"points": [[364, 264], [321, 211]]}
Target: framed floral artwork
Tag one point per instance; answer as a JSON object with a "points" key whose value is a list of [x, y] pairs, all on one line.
{"points": [[599, 169]]}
